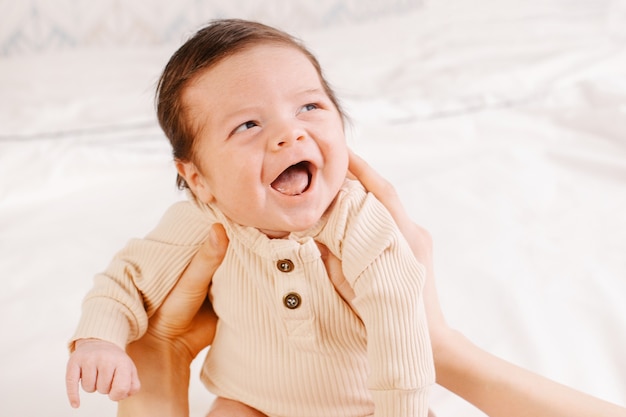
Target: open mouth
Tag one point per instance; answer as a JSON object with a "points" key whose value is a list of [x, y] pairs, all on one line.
{"points": [[295, 180]]}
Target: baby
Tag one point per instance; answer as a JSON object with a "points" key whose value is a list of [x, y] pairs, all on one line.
{"points": [[258, 140]]}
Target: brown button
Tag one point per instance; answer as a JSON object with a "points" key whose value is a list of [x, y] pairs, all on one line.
{"points": [[292, 300], [284, 265]]}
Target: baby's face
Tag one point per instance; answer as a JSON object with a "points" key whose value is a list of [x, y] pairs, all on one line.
{"points": [[271, 151]]}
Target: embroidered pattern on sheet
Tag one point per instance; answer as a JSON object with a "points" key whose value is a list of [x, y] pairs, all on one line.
{"points": [[45, 25]]}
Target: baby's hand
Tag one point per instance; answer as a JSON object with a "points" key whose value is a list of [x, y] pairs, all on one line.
{"points": [[101, 366]]}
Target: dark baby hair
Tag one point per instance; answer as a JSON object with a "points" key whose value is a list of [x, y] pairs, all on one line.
{"points": [[208, 46]]}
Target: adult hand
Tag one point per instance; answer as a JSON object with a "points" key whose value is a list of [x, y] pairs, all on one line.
{"points": [[497, 387], [186, 319], [418, 238], [183, 326]]}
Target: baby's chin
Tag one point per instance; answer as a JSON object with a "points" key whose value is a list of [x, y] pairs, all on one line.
{"points": [[294, 226], [274, 234], [281, 234]]}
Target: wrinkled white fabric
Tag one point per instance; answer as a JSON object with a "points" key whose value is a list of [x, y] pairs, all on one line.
{"points": [[502, 124]]}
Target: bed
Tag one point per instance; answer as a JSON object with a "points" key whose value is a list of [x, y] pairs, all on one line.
{"points": [[501, 123]]}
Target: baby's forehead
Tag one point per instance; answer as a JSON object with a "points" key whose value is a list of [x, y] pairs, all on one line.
{"points": [[257, 63], [256, 76], [264, 49]]}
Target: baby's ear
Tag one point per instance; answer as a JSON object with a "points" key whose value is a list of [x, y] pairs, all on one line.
{"points": [[196, 181]]}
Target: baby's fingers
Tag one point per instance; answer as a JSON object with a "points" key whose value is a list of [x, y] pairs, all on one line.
{"points": [[72, 378], [125, 383]]}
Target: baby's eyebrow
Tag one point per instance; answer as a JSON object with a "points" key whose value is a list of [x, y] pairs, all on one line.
{"points": [[311, 91]]}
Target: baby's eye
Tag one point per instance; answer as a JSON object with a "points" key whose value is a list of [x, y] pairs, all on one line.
{"points": [[309, 107], [244, 126]]}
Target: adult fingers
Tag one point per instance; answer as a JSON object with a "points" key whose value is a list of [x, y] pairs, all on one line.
{"points": [[380, 187], [335, 272], [418, 238], [190, 291]]}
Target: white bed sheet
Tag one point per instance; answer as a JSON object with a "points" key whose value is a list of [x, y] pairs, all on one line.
{"points": [[502, 124]]}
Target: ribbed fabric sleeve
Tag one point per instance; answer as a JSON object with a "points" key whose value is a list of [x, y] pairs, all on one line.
{"points": [[388, 284], [140, 276]]}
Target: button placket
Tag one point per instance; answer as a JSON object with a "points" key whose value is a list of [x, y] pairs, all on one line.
{"points": [[291, 300]]}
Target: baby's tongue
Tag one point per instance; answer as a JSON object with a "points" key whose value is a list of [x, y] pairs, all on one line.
{"points": [[293, 181]]}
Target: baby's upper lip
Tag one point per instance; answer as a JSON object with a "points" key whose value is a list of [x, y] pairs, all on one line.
{"points": [[311, 166], [304, 163]]}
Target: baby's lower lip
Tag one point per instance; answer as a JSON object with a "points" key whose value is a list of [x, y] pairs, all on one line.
{"points": [[293, 181], [291, 193]]}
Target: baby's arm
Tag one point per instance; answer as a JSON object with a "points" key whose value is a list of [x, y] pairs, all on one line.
{"points": [[123, 297], [102, 366], [388, 285], [389, 300]]}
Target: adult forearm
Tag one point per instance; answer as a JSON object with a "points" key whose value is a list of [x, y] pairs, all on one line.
{"points": [[502, 389], [164, 387]]}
